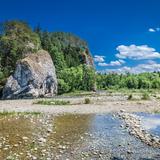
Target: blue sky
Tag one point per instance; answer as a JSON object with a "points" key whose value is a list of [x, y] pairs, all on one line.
{"points": [[124, 35]]}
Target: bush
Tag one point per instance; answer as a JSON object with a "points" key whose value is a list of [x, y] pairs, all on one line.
{"points": [[130, 97], [145, 96], [87, 101], [156, 83], [156, 111], [63, 87]]}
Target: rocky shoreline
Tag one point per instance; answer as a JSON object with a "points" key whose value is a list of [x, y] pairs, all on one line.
{"points": [[134, 127]]}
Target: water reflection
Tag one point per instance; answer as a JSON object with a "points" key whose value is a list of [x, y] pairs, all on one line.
{"points": [[151, 122]]}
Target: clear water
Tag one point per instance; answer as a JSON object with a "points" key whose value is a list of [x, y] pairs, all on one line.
{"points": [[73, 137], [151, 122]]}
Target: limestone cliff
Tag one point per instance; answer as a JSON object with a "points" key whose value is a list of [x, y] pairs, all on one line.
{"points": [[34, 76]]}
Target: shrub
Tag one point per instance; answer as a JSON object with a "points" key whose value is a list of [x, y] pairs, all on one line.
{"points": [[145, 96], [52, 102], [156, 111], [63, 87], [87, 101], [130, 97]]}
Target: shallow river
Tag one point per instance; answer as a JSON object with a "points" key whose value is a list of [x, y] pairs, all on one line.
{"points": [[68, 137], [151, 122]]}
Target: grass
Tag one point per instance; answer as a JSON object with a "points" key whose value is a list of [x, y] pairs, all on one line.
{"points": [[79, 93], [136, 91], [60, 102], [6, 113], [52, 102], [142, 96], [145, 96], [156, 111]]}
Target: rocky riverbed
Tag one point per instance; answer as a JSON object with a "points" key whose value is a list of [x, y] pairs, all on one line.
{"points": [[133, 124], [69, 137]]}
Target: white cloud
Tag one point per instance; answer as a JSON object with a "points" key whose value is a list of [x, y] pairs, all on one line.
{"points": [[151, 30], [141, 68], [122, 61], [112, 63], [154, 29], [98, 58], [137, 52]]}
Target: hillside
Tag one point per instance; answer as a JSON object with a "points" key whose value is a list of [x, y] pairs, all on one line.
{"points": [[71, 56]]}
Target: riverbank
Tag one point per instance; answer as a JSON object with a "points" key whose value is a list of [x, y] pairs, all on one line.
{"points": [[77, 130], [99, 104]]}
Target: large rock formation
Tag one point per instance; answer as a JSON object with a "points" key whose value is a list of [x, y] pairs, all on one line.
{"points": [[34, 77]]}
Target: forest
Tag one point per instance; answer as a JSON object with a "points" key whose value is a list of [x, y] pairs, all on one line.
{"points": [[71, 56], [128, 81]]}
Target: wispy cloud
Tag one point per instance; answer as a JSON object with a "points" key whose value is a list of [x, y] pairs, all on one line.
{"points": [[151, 30], [137, 52], [141, 68], [112, 63], [154, 29], [98, 58]]}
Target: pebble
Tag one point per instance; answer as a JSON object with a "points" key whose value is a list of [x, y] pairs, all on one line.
{"points": [[25, 138], [42, 140]]}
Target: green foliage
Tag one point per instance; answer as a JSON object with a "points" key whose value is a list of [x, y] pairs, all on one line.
{"points": [[64, 47], [156, 83], [80, 93], [7, 113], [16, 40], [131, 82], [144, 83], [63, 87], [81, 77], [66, 39], [72, 77], [69, 54], [1, 75], [89, 78], [58, 59], [128, 81], [145, 96], [130, 97], [2, 81], [156, 111], [87, 101], [52, 102]]}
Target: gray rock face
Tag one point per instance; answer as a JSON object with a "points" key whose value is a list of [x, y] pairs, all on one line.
{"points": [[34, 77]]}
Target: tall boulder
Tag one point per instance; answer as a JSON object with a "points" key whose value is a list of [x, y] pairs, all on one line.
{"points": [[34, 76]]}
